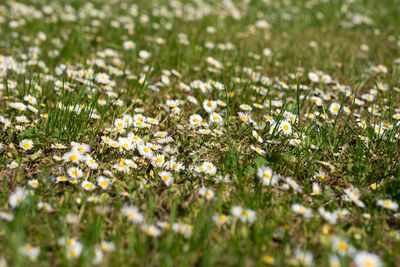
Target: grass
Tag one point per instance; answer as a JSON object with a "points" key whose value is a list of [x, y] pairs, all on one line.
{"points": [[331, 75]]}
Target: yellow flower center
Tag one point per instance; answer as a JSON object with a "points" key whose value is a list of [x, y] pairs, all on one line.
{"points": [[268, 260], [27, 145], [368, 263], [387, 203], [342, 246]]}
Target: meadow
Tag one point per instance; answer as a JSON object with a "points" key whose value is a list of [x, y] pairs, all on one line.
{"points": [[200, 133]]}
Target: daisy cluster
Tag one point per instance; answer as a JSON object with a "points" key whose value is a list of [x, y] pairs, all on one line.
{"points": [[151, 134]]}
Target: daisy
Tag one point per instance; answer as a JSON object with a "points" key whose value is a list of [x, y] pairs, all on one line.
{"points": [[158, 160], [125, 143], [267, 52], [74, 251], [26, 144], [245, 107], [16, 198], [7, 215], [353, 194], [295, 142], [334, 108], [341, 246], [107, 246], [300, 209], [204, 131], [192, 100], [316, 100], [135, 139], [268, 260], [316, 190], [11, 84], [221, 219], [326, 78], [269, 119], [144, 54], [366, 259], [379, 130], [118, 102], [121, 167], [166, 177], [265, 175], [145, 151], [313, 77], [30, 251], [373, 186], [62, 178], [88, 185], [98, 256], [133, 214], [22, 119], [334, 261], [31, 99], [58, 146], [205, 87], [75, 172], [258, 150], [120, 123], [209, 168], [79, 147], [102, 102], [45, 206], [290, 116], [91, 163], [131, 163], [93, 199], [151, 230], [209, 106], [73, 156], [388, 204], [331, 217], [245, 215], [103, 182], [305, 258], [285, 127], [183, 229], [221, 103], [216, 118], [33, 183], [320, 175], [206, 192], [244, 117], [342, 213], [176, 166], [129, 45], [257, 136]]}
